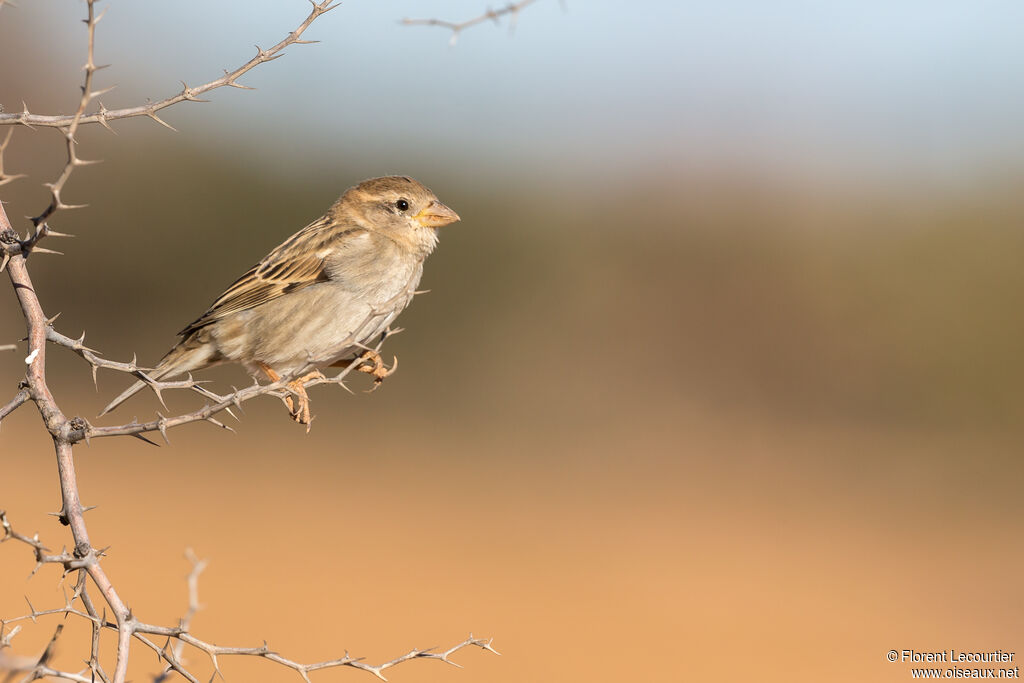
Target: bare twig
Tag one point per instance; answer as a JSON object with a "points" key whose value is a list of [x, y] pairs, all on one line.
{"points": [[20, 398], [181, 635], [456, 27], [193, 606], [264, 651], [219, 404], [59, 426], [91, 356], [4, 176], [56, 203], [230, 79]]}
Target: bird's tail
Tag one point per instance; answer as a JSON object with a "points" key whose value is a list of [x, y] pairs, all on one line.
{"points": [[183, 358]]}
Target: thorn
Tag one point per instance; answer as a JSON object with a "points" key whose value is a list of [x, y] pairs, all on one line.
{"points": [[159, 394], [216, 667], [236, 401], [4, 179], [162, 426], [161, 121], [14, 632], [220, 424], [99, 93], [43, 250], [142, 438], [101, 117], [54, 233], [25, 113]]}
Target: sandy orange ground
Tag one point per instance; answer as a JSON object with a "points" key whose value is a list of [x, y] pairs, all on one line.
{"points": [[681, 547]]}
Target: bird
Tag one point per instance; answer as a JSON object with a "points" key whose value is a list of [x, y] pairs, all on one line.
{"points": [[317, 298]]}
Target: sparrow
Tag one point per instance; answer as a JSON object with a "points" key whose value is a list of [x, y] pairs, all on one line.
{"points": [[319, 297]]}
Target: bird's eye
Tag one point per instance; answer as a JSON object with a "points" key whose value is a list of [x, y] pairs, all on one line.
{"points": [[402, 205]]}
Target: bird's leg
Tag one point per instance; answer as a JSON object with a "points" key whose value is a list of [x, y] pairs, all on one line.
{"points": [[371, 363], [298, 386], [300, 413], [268, 371], [274, 377]]}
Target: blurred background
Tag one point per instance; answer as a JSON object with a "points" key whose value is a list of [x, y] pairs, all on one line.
{"points": [[719, 376]]}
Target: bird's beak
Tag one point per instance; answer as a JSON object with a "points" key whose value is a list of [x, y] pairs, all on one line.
{"points": [[435, 215]]}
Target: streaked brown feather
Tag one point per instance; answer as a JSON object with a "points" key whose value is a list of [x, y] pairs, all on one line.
{"points": [[293, 265]]}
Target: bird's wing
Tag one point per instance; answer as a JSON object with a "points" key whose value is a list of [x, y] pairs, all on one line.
{"points": [[297, 263]]}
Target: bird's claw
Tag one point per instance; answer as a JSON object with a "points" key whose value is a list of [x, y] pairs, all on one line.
{"points": [[373, 364], [298, 400]]}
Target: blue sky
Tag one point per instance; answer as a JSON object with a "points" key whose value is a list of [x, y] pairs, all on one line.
{"points": [[924, 87]]}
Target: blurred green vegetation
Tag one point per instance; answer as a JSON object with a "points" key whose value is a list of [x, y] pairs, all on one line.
{"points": [[588, 300]]}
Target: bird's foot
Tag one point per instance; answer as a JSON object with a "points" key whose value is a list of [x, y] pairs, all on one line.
{"points": [[373, 364], [298, 400]]}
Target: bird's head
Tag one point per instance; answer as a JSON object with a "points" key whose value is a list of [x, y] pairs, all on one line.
{"points": [[398, 207]]}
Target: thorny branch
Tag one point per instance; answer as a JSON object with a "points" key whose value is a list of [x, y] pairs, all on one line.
{"points": [[19, 399], [4, 176], [230, 79], [456, 27], [220, 403], [83, 561], [56, 203], [193, 606], [84, 557], [180, 636]]}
